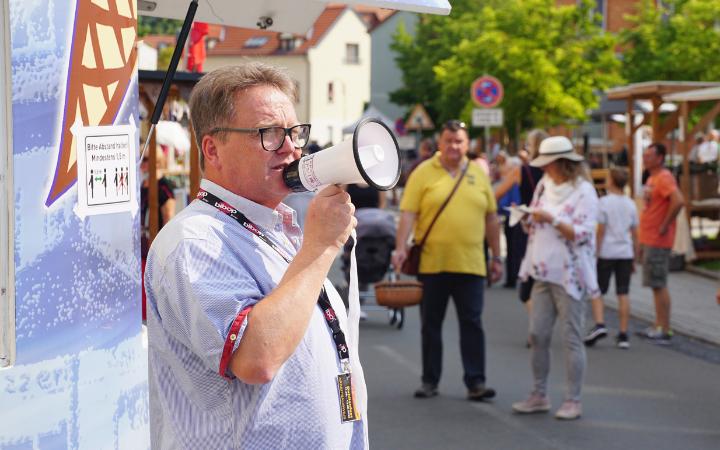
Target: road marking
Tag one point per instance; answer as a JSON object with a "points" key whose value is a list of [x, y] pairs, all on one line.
{"points": [[397, 357], [624, 392]]}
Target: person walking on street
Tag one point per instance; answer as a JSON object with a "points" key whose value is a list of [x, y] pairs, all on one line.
{"points": [[560, 257], [453, 261], [663, 201], [249, 344], [527, 177], [617, 245]]}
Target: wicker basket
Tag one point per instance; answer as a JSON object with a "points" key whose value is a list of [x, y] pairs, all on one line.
{"points": [[398, 294]]}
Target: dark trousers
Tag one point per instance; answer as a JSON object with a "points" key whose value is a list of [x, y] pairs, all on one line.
{"points": [[516, 241], [467, 293]]}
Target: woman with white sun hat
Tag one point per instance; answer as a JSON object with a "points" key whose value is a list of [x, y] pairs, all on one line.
{"points": [[560, 257]]}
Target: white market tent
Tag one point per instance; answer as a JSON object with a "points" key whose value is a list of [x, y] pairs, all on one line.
{"points": [[292, 16]]}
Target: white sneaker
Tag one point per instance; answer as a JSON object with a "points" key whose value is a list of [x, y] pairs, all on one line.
{"points": [[569, 410], [536, 403]]}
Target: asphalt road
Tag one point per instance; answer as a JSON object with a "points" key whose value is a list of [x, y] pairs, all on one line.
{"points": [[648, 397]]}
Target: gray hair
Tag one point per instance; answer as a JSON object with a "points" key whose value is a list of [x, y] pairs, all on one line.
{"points": [[534, 138], [212, 102]]}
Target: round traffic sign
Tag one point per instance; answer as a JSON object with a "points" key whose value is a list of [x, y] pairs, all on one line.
{"points": [[487, 91]]}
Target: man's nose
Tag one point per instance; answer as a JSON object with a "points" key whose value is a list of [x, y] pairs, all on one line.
{"points": [[287, 147]]}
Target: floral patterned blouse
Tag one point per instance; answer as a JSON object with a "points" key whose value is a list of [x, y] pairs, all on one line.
{"points": [[552, 258]]}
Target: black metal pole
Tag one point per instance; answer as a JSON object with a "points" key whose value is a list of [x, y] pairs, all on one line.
{"points": [[170, 74]]}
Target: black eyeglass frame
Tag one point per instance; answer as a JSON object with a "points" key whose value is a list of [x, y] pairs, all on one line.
{"points": [[262, 131]]}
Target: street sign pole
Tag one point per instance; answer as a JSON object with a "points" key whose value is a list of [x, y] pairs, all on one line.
{"points": [[486, 141], [418, 133]]}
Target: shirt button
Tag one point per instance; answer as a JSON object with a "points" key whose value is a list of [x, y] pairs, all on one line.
{"points": [[233, 337]]}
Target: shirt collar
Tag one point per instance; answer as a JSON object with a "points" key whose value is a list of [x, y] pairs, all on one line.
{"points": [[435, 161], [258, 214]]}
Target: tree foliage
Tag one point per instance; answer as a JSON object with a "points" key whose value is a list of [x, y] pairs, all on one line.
{"points": [[155, 25], [551, 60], [677, 40]]}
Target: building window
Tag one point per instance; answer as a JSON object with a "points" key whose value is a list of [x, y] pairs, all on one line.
{"points": [[352, 54], [287, 42], [256, 42], [331, 92]]}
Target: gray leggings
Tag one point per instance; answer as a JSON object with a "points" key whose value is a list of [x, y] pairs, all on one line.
{"points": [[550, 301]]}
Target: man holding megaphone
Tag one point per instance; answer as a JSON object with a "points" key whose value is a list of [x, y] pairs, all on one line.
{"points": [[249, 343]]}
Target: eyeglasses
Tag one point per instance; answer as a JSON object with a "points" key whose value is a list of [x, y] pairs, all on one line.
{"points": [[272, 138], [454, 125]]}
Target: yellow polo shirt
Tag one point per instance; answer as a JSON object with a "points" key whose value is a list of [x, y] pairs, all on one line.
{"points": [[455, 243]]}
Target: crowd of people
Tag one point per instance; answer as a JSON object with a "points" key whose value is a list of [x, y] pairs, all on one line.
{"points": [[564, 252], [228, 363]]}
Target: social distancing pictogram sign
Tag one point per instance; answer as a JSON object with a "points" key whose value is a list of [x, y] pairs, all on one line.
{"points": [[107, 169]]}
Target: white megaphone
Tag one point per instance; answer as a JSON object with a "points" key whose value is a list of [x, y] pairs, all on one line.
{"points": [[372, 156]]}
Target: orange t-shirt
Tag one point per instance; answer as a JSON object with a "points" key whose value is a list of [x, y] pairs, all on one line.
{"points": [[656, 192]]}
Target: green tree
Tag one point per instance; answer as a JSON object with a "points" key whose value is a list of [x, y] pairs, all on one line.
{"points": [[164, 57], [551, 60], [155, 25], [677, 40]]}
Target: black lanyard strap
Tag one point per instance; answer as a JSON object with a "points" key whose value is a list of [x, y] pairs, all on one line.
{"points": [[323, 299]]}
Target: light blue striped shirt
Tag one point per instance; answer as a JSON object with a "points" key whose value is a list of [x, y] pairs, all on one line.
{"points": [[203, 269]]}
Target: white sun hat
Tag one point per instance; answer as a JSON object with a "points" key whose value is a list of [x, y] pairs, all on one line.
{"points": [[553, 148]]}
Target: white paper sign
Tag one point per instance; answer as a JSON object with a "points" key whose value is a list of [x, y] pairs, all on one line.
{"points": [[107, 169], [518, 213], [488, 117]]}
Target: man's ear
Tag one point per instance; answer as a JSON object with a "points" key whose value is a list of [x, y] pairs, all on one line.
{"points": [[210, 150]]}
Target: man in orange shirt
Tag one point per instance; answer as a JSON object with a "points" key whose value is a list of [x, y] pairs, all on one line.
{"points": [[663, 202]]}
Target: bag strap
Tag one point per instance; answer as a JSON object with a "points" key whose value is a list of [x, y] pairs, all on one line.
{"points": [[457, 184], [529, 174]]}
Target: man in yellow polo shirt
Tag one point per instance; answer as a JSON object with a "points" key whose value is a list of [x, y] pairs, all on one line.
{"points": [[453, 257]]}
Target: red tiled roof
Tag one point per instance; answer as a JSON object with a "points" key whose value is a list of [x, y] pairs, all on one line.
{"points": [[382, 21], [155, 40], [373, 16], [235, 39]]}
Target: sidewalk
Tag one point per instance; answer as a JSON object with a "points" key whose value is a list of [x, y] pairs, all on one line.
{"points": [[695, 312]]}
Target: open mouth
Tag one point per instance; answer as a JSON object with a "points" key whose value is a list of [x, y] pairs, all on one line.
{"points": [[279, 167]]}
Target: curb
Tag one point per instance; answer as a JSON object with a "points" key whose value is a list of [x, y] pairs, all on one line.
{"points": [[679, 329], [707, 273]]}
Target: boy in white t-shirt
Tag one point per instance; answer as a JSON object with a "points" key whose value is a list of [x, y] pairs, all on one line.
{"points": [[617, 247]]}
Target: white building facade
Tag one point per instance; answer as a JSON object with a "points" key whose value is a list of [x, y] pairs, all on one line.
{"points": [[331, 66]]}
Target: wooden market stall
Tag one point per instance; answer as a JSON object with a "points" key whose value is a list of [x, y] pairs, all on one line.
{"points": [[653, 91], [150, 83], [703, 202]]}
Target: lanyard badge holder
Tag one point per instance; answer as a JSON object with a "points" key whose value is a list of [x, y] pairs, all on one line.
{"points": [[348, 404]]}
